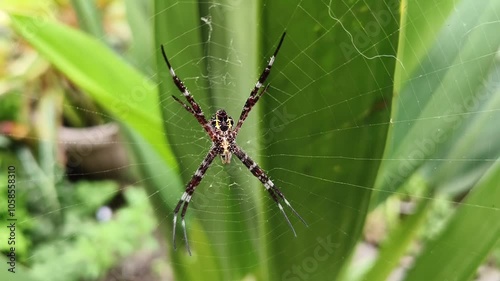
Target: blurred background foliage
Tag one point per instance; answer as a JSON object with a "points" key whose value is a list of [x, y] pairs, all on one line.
{"points": [[379, 125]]}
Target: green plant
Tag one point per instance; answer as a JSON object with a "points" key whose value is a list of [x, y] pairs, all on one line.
{"points": [[425, 79], [85, 248]]}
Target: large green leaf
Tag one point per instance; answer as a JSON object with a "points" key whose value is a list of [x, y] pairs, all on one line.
{"points": [[444, 127], [139, 19], [89, 17], [116, 86], [444, 94], [341, 99], [396, 245], [468, 238], [472, 148]]}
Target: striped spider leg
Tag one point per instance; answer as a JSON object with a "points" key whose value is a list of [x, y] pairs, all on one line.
{"points": [[223, 135], [195, 109], [186, 196], [254, 94], [268, 184]]}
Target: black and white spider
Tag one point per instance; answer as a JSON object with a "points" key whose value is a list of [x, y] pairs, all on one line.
{"points": [[223, 135]]}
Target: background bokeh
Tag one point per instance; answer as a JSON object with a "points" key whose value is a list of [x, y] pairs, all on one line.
{"points": [[379, 126]]}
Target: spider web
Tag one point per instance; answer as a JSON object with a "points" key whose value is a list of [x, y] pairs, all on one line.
{"points": [[215, 201], [214, 194]]}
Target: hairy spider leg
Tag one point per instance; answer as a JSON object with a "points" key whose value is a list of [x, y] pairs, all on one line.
{"points": [[252, 100], [268, 184], [186, 196], [189, 109], [195, 107]]}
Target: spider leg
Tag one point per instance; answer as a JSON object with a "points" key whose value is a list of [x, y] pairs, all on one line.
{"points": [[195, 107], [275, 193], [252, 100], [186, 196], [189, 109]]}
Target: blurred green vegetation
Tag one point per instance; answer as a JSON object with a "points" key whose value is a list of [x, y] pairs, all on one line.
{"points": [[86, 250], [378, 114]]}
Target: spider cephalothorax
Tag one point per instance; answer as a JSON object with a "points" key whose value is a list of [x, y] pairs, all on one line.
{"points": [[221, 131], [222, 125], [221, 121]]}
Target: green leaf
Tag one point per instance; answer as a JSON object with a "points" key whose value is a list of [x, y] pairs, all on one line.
{"points": [[397, 244], [139, 15], [89, 17], [468, 238], [49, 170], [339, 105], [118, 88], [470, 156], [436, 92]]}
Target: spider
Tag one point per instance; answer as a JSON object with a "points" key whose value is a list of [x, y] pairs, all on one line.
{"points": [[222, 132]]}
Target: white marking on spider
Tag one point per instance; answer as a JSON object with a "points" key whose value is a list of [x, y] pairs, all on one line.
{"points": [[281, 207], [271, 61], [186, 93], [184, 195], [267, 186], [198, 173], [175, 220], [252, 166], [188, 198], [172, 72], [258, 85], [270, 183], [183, 223], [286, 202]]}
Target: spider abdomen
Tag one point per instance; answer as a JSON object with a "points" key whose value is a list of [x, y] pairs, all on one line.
{"points": [[225, 154]]}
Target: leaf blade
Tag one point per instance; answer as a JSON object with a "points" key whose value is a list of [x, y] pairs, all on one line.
{"points": [[116, 86], [475, 228]]}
